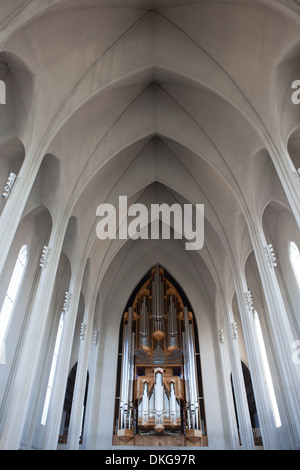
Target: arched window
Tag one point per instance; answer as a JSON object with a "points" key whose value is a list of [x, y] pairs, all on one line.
{"points": [[266, 369], [10, 298], [295, 260]]}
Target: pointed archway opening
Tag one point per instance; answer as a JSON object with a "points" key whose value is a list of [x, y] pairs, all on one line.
{"points": [[159, 394], [66, 415]]}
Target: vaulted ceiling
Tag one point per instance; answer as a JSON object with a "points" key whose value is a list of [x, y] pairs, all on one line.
{"points": [[163, 100]]}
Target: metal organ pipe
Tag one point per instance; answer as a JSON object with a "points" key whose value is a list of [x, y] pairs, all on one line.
{"points": [[144, 326], [190, 375], [172, 326], [159, 400], [173, 408], [186, 380], [126, 402], [131, 381], [157, 301], [145, 404]]}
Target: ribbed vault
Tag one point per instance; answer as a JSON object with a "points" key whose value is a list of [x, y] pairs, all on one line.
{"points": [[121, 80]]}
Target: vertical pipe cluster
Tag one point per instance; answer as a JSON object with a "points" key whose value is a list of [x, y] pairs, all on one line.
{"points": [[157, 292], [145, 404], [172, 324], [191, 389], [144, 324], [173, 407], [159, 401], [126, 402]]}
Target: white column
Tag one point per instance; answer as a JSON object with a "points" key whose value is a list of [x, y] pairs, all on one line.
{"points": [[92, 411], [14, 206], [63, 362], [231, 432], [30, 354], [80, 381], [281, 330], [245, 427], [264, 409], [281, 161]]}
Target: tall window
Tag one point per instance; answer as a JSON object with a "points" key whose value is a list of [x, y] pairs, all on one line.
{"points": [[10, 299], [295, 260], [52, 370], [266, 369]]}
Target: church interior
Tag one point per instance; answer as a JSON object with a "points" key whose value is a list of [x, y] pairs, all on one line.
{"points": [[137, 342]]}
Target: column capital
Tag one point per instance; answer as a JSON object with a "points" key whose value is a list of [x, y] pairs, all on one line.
{"points": [[96, 337], [234, 330], [221, 337], [249, 301], [271, 255], [83, 331], [44, 257]]}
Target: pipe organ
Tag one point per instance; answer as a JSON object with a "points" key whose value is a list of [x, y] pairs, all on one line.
{"points": [[158, 381]]}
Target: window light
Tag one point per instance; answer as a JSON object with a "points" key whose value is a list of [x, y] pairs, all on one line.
{"points": [[266, 369], [10, 299], [295, 260]]}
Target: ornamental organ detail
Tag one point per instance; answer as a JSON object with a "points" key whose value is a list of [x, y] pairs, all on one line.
{"points": [[158, 383]]}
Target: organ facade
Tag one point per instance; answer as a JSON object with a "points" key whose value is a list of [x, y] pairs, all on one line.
{"points": [[159, 389]]}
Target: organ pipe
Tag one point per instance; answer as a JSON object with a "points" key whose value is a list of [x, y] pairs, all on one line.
{"points": [[159, 376], [145, 404], [159, 401], [126, 402], [172, 326], [190, 373], [144, 324], [157, 301], [173, 408]]}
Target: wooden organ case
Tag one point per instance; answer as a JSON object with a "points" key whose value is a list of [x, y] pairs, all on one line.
{"points": [[158, 390]]}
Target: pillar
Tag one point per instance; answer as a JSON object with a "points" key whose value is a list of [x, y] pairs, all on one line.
{"points": [[30, 354], [14, 206], [63, 363], [245, 426], [281, 329], [80, 381], [266, 420]]}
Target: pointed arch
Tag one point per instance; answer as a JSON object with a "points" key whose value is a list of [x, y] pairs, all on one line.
{"points": [[159, 352]]}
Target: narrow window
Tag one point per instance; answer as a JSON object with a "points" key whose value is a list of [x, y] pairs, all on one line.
{"points": [[52, 370], [10, 299], [295, 260], [266, 369]]}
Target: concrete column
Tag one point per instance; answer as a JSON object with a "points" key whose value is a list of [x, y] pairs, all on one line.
{"points": [[14, 206], [230, 419], [266, 420], [92, 406], [288, 178], [80, 381], [281, 330], [245, 426], [63, 362], [30, 354]]}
